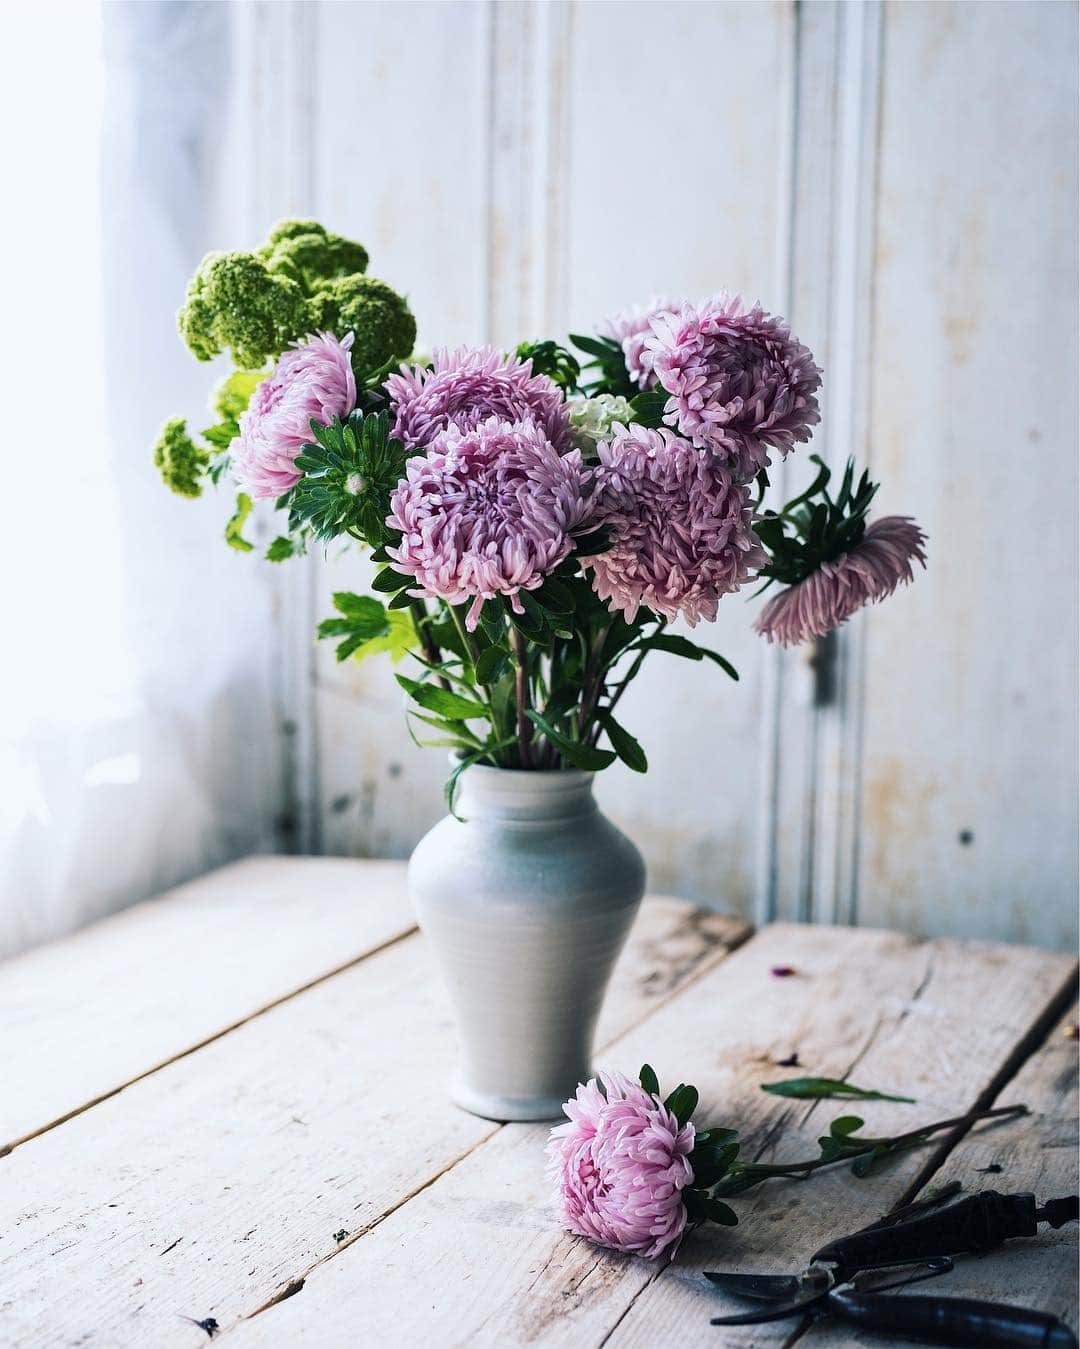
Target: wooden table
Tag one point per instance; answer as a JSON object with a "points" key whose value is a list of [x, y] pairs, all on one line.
{"points": [[228, 1104]]}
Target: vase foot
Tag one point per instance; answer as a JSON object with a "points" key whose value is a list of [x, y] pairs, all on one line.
{"points": [[507, 1108]]}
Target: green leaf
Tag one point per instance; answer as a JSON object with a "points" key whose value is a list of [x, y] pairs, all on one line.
{"points": [[450, 788], [623, 743], [555, 597], [715, 1137], [282, 548], [449, 705], [397, 641], [821, 1088], [387, 581], [490, 664], [682, 646], [845, 1125], [222, 435], [648, 1079], [233, 528], [683, 1102], [717, 1212], [585, 757], [648, 407]]}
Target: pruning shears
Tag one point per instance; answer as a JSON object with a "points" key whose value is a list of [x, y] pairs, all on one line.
{"points": [[848, 1277]]}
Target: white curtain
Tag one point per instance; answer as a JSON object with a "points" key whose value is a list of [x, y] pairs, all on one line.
{"points": [[138, 739]]}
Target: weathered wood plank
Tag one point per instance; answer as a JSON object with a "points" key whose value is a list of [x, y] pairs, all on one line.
{"points": [[82, 1017], [1035, 1154], [477, 1259], [211, 1187]]}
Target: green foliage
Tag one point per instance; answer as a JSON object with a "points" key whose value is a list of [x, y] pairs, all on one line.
{"points": [[231, 397], [349, 470], [283, 548], [648, 407], [367, 628], [548, 358], [234, 526], [823, 1088], [381, 321], [807, 533], [181, 462], [609, 362]]}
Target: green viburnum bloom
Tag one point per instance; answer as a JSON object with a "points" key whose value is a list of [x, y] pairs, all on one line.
{"points": [[181, 462], [312, 260], [234, 301], [382, 322], [231, 397]]}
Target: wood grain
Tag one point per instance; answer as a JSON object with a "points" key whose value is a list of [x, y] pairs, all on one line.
{"points": [[477, 1258], [84, 1016], [213, 1186]]}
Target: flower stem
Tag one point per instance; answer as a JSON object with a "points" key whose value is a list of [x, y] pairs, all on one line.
{"points": [[897, 1143], [430, 647], [521, 688]]}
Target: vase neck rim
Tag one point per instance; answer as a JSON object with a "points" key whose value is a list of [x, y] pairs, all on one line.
{"points": [[520, 794]]}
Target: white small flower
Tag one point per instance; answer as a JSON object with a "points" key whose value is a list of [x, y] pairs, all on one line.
{"points": [[594, 419]]}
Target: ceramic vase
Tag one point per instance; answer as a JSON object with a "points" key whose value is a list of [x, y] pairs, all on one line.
{"points": [[527, 900]]}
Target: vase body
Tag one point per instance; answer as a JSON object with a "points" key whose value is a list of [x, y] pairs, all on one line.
{"points": [[527, 901]]}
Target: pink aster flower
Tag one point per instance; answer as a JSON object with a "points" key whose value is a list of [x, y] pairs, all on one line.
{"points": [[465, 387], [739, 382], [620, 1164], [313, 381], [871, 571], [680, 524], [630, 329], [487, 511]]}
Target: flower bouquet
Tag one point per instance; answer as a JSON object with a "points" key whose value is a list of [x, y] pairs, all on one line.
{"points": [[538, 518]]}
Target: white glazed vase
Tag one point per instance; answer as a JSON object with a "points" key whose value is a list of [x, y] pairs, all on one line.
{"points": [[527, 901]]}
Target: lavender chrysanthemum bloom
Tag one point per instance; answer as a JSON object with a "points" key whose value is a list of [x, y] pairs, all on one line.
{"points": [[487, 511], [313, 381], [620, 1165], [466, 387], [630, 329], [680, 525], [871, 571], [739, 382]]}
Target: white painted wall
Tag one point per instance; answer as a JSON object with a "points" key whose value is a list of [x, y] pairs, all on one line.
{"points": [[901, 180]]}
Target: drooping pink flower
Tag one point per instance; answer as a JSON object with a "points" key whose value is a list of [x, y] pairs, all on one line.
{"points": [[487, 511], [739, 382], [680, 524], [630, 329], [466, 387], [871, 571], [619, 1165], [313, 381]]}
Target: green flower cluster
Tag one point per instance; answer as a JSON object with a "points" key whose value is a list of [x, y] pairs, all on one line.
{"points": [[181, 462], [301, 280]]}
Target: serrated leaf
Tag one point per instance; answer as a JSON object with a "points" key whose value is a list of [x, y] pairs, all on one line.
{"points": [[281, 549]]}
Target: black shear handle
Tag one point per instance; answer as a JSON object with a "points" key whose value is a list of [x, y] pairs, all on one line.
{"points": [[978, 1223], [965, 1322]]}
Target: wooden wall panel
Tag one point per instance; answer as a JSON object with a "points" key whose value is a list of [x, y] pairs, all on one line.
{"points": [[969, 800]]}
